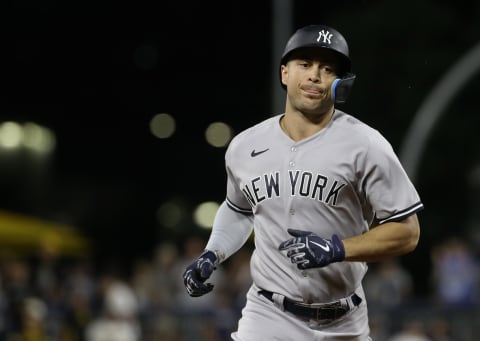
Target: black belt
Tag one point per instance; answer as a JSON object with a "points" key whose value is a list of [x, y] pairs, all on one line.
{"points": [[329, 311]]}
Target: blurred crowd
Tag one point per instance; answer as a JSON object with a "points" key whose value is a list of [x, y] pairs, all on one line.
{"points": [[451, 310], [45, 297]]}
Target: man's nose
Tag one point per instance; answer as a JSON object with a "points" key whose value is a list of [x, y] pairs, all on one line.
{"points": [[315, 75]]}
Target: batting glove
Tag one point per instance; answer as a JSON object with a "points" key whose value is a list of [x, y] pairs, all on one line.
{"points": [[309, 250], [198, 272]]}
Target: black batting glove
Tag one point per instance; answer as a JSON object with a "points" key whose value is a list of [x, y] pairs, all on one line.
{"points": [[198, 272], [309, 250]]}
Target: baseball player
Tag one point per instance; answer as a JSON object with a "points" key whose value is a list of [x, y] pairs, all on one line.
{"points": [[324, 194]]}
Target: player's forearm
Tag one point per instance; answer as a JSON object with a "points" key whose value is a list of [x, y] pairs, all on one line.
{"points": [[229, 232], [384, 241]]}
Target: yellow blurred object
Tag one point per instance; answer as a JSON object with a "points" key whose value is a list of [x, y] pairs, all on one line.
{"points": [[25, 234]]}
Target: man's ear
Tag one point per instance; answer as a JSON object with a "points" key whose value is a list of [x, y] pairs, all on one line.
{"points": [[284, 74]]}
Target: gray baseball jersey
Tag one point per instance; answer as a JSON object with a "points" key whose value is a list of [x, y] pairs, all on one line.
{"points": [[337, 181]]}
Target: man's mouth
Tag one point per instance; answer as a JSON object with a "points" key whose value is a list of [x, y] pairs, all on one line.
{"points": [[313, 91]]}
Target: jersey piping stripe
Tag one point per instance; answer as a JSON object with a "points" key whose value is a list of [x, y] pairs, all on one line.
{"points": [[403, 213], [237, 208]]}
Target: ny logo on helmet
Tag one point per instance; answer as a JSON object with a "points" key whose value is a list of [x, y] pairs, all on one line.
{"points": [[325, 35]]}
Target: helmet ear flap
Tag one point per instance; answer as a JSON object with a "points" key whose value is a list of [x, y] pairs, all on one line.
{"points": [[341, 88]]}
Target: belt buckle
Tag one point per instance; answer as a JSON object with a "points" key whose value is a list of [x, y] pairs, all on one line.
{"points": [[336, 308]]}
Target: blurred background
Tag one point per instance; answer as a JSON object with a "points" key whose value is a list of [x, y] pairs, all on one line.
{"points": [[114, 120]]}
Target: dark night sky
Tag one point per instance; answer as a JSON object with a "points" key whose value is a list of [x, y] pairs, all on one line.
{"points": [[96, 74], [97, 77]]}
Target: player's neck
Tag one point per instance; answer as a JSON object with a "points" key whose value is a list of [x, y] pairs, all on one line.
{"points": [[299, 126]]}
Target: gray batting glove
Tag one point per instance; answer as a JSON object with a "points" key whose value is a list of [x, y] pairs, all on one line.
{"points": [[309, 250], [198, 272]]}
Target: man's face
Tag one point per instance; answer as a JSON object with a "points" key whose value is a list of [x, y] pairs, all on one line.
{"points": [[308, 76]]}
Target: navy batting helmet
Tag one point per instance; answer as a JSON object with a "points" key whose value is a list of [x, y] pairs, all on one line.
{"points": [[324, 37]]}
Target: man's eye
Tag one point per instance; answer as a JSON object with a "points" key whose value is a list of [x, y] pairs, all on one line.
{"points": [[330, 70]]}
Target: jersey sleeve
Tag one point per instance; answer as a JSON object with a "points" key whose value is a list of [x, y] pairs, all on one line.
{"points": [[229, 232], [235, 198], [387, 186]]}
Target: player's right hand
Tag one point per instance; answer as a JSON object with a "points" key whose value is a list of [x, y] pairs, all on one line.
{"points": [[198, 272], [308, 250]]}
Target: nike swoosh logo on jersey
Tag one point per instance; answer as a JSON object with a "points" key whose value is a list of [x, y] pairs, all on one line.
{"points": [[254, 153], [325, 248]]}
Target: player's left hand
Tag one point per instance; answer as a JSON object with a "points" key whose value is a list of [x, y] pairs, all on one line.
{"points": [[198, 272], [309, 250]]}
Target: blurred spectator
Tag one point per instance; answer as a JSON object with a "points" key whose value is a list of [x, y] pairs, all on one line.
{"points": [[165, 327], [119, 318], [411, 331], [80, 300], [440, 329], [388, 284], [32, 324], [166, 276], [16, 276], [155, 287], [455, 274], [143, 284], [380, 326], [46, 269], [239, 277]]}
